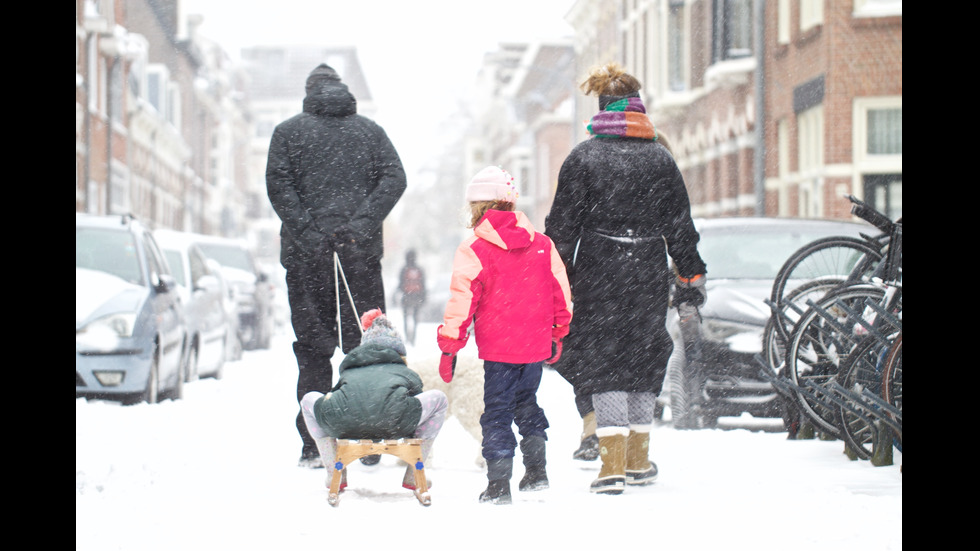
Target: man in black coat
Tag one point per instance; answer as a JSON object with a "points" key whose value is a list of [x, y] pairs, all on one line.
{"points": [[332, 177]]}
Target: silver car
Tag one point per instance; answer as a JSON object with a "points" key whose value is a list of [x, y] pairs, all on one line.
{"points": [[130, 335], [743, 256]]}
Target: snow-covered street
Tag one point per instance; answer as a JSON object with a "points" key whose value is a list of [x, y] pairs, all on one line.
{"points": [[218, 471]]}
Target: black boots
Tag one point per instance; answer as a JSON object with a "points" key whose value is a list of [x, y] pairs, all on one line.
{"points": [[535, 477], [497, 492], [588, 450], [498, 473]]}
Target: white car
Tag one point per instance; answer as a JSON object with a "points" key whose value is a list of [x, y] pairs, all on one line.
{"points": [[253, 289], [203, 296]]}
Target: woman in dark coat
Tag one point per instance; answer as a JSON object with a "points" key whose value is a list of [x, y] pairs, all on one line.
{"points": [[620, 207]]}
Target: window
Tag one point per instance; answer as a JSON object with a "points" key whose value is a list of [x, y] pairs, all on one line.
{"points": [[157, 77], [173, 104], [877, 123], [810, 142], [782, 137], [675, 46], [877, 8], [782, 22], [884, 192], [732, 33], [885, 131], [811, 14]]}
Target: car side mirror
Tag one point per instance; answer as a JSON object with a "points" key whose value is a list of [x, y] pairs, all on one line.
{"points": [[165, 282]]}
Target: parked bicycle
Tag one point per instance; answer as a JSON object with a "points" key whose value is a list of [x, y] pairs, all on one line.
{"points": [[834, 339]]}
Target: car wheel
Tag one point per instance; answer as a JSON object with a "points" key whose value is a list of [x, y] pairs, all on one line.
{"points": [[177, 392], [152, 393], [219, 371], [266, 342], [236, 347], [191, 370], [249, 337]]}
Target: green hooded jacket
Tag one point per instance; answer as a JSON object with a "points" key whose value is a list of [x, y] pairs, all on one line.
{"points": [[374, 397]]}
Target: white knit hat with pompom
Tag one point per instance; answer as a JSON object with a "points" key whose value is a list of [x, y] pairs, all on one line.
{"points": [[492, 184]]}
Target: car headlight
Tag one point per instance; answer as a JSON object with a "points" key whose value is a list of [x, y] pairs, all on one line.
{"points": [[105, 332], [737, 337], [118, 324]]}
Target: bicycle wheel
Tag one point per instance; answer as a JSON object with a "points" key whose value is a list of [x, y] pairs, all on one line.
{"points": [[773, 341], [863, 369], [892, 374], [835, 260], [817, 349], [892, 381]]}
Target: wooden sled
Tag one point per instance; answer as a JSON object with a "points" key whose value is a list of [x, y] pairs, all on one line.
{"points": [[408, 450]]}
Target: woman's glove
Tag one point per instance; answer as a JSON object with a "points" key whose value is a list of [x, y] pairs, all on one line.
{"points": [[690, 290]]}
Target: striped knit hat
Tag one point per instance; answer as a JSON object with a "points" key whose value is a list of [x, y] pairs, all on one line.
{"points": [[379, 330]]}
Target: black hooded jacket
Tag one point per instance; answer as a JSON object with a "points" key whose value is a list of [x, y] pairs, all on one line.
{"points": [[331, 168]]}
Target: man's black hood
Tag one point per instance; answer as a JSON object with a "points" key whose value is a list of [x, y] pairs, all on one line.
{"points": [[329, 97]]}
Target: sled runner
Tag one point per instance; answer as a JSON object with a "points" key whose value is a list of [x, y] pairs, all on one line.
{"points": [[408, 450]]}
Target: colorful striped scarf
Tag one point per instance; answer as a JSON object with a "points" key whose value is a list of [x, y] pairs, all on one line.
{"points": [[625, 118]]}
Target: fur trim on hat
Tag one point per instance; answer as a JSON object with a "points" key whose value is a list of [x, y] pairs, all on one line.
{"points": [[492, 184]]}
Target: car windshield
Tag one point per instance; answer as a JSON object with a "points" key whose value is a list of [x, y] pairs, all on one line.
{"points": [[228, 255], [750, 252], [176, 262], [109, 251]]}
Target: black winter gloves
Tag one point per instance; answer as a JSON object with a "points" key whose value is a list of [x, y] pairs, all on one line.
{"points": [[690, 290]]}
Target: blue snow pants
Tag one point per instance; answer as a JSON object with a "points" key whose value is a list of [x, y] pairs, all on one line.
{"points": [[509, 397]]}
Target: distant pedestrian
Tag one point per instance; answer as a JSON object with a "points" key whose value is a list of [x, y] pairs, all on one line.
{"points": [[620, 207], [411, 285], [332, 177], [510, 283]]}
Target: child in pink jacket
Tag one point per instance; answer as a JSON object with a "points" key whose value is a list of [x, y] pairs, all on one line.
{"points": [[510, 282]]}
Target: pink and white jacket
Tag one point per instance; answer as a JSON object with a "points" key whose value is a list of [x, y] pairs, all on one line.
{"points": [[510, 282]]}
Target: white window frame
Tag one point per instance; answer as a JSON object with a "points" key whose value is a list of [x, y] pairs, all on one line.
{"points": [[810, 155], [161, 100], [783, 32], [877, 8], [782, 138], [677, 62], [864, 162], [811, 14]]}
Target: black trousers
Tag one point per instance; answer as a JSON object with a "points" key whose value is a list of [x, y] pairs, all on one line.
{"points": [[313, 309]]}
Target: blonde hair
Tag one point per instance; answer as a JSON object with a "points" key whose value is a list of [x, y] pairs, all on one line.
{"points": [[479, 208], [610, 80]]}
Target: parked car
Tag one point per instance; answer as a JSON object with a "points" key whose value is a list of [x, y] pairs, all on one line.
{"points": [[130, 335], [743, 256], [253, 289], [233, 339], [203, 296]]}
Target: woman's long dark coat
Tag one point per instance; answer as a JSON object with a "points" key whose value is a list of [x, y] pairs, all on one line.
{"points": [[620, 206]]}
